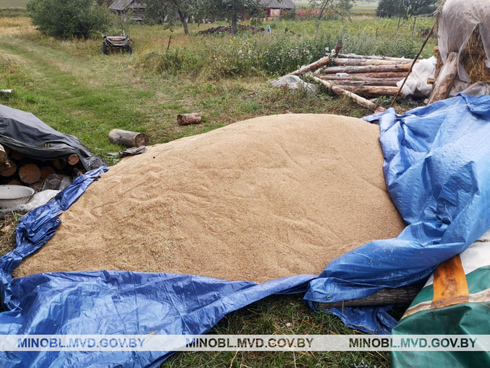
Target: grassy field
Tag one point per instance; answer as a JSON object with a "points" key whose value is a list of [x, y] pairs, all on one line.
{"points": [[359, 6], [8, 4], [76, 89]]}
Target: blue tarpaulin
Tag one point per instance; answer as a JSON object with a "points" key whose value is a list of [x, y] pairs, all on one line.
{"points": [[438, 175], [437, 169]]}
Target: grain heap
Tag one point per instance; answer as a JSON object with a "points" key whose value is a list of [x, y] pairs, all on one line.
{"points": [[257, 200]]}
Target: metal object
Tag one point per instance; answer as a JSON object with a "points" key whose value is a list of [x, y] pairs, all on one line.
{"points": [[112, 44], [12, 196]]}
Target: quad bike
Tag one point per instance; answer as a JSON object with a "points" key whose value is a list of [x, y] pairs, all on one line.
{"points": [[112, 44]]}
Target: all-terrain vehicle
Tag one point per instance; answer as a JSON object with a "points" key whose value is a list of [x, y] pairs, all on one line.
{"points": [[112, 44]]}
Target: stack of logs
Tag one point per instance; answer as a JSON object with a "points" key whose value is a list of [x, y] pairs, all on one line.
{"points": [[368, 76], [17, 169], [359, 76]]}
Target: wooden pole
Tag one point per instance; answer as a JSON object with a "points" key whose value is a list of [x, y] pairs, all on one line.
{"points": [[340, 91], [375, 82], [313, 66], [373, 57], [413, 63], [353, 62], [367, 69], [400, 296], [397, 75], [371, 91]]}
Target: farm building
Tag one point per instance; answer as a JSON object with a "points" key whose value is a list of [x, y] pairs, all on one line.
{"points": [[132, 8], [276, 8]]}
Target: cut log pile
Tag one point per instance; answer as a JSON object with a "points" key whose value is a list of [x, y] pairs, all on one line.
{"points": [[359, 76], [17, 169]]}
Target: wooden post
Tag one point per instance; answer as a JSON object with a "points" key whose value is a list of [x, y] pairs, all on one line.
{"points": [[446, 79], [186, 119], [127, 138]]}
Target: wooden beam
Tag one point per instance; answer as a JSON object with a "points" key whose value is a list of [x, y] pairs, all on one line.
{"points": [[446, 78], [367, 69], [400, 296]]}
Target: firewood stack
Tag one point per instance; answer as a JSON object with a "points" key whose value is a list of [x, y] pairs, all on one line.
{"points": [[17, 169], [367, 76]]}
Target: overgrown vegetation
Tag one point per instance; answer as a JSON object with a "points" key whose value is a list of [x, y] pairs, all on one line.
{"points": [[69, 18], [252, 54], [74, 88]]}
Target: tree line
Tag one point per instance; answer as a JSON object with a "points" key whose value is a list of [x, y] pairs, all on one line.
{"points": [[82, 18]]}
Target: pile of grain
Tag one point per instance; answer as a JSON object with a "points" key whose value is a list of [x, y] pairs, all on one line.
{"points": [[257, 200]]}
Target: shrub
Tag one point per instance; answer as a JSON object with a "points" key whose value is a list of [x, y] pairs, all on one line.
{"points": [[69, 18]]}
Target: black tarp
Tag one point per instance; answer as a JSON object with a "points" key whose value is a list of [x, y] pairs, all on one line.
{"points": [[23, 132]]}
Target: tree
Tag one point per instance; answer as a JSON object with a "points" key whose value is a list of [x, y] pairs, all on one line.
{"points": [[405, 8], [340, 8], [233, 10], [162, 11], [69, 18]]}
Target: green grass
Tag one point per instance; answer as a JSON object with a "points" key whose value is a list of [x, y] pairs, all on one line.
{"points": [[76, 89]]}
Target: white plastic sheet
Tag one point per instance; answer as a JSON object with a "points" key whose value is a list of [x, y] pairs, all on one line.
{"points": [[416, 83], [458, 20]]}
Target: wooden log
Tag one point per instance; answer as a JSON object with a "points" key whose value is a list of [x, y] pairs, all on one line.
{"points": [[373, 57], [8, 169], [46, 171], [342, 61], [367, 69], [313, 66], [342, 92], [127, 138], [17, 156], [371, 91], [15, 182], [388, 75], [3, 155], [374, 82], [73, 160], [186, 119], [446, 78], [400, 296], [59, 164], [29, 173]]}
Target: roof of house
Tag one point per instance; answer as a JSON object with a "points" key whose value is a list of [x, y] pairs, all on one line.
{"points": [[278, 4], [120, 4]]}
